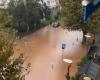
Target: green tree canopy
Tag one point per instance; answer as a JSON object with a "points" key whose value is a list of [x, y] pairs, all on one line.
{"points": [[94, 22], [10, 68], [71, 14], [71, 17], [27, 14]]}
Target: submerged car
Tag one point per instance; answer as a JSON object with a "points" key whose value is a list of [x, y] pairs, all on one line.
{"points": [[55, 24]]}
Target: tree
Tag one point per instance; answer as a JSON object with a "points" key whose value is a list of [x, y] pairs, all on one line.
{"points": [[94, 22], [16, 9], [10, 68], [4, 18], [45, 10], [71, 16], [27, 14]]}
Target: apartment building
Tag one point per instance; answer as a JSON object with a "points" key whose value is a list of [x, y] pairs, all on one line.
{"points": [[3, 3], [53, 5], [50, 3]]}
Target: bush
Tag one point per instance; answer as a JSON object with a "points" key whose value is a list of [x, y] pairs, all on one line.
{"points": [[8, 22], [10, 68], [49, 21], [86, 58]]}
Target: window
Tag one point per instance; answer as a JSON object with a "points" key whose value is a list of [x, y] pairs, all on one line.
{"points": [[48, 2]]}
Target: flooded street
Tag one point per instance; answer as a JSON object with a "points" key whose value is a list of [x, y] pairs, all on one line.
{"points": [[43, 50]]}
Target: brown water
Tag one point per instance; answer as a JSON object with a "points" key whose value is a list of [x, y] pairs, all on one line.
{"points": [[43, 50]]}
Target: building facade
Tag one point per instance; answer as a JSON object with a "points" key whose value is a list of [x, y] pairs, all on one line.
{"points": [[53, 5], [50, 3], [3, 3]]}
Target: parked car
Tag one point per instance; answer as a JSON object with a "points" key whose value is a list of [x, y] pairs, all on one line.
{"points": [[55, 24]]}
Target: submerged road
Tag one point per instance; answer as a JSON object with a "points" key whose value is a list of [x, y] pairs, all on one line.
{"points": [[43, 50]]}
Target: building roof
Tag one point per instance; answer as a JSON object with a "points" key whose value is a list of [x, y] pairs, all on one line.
{"points": [[90, 69], [93, 70], [83, 68], [98, 36], [95, 50]]}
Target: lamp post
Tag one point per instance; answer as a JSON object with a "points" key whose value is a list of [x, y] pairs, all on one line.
{"points": [[68, 68]]}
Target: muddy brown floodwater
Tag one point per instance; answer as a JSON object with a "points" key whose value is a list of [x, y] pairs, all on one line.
{"points": [[43, 50]]}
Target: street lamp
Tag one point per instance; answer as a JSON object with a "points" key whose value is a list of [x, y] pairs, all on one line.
{"points": [[85, 2], [68, 68]]}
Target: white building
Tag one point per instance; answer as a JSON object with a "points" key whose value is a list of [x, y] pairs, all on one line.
{"points": [[3, 3], [51, 3]]}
